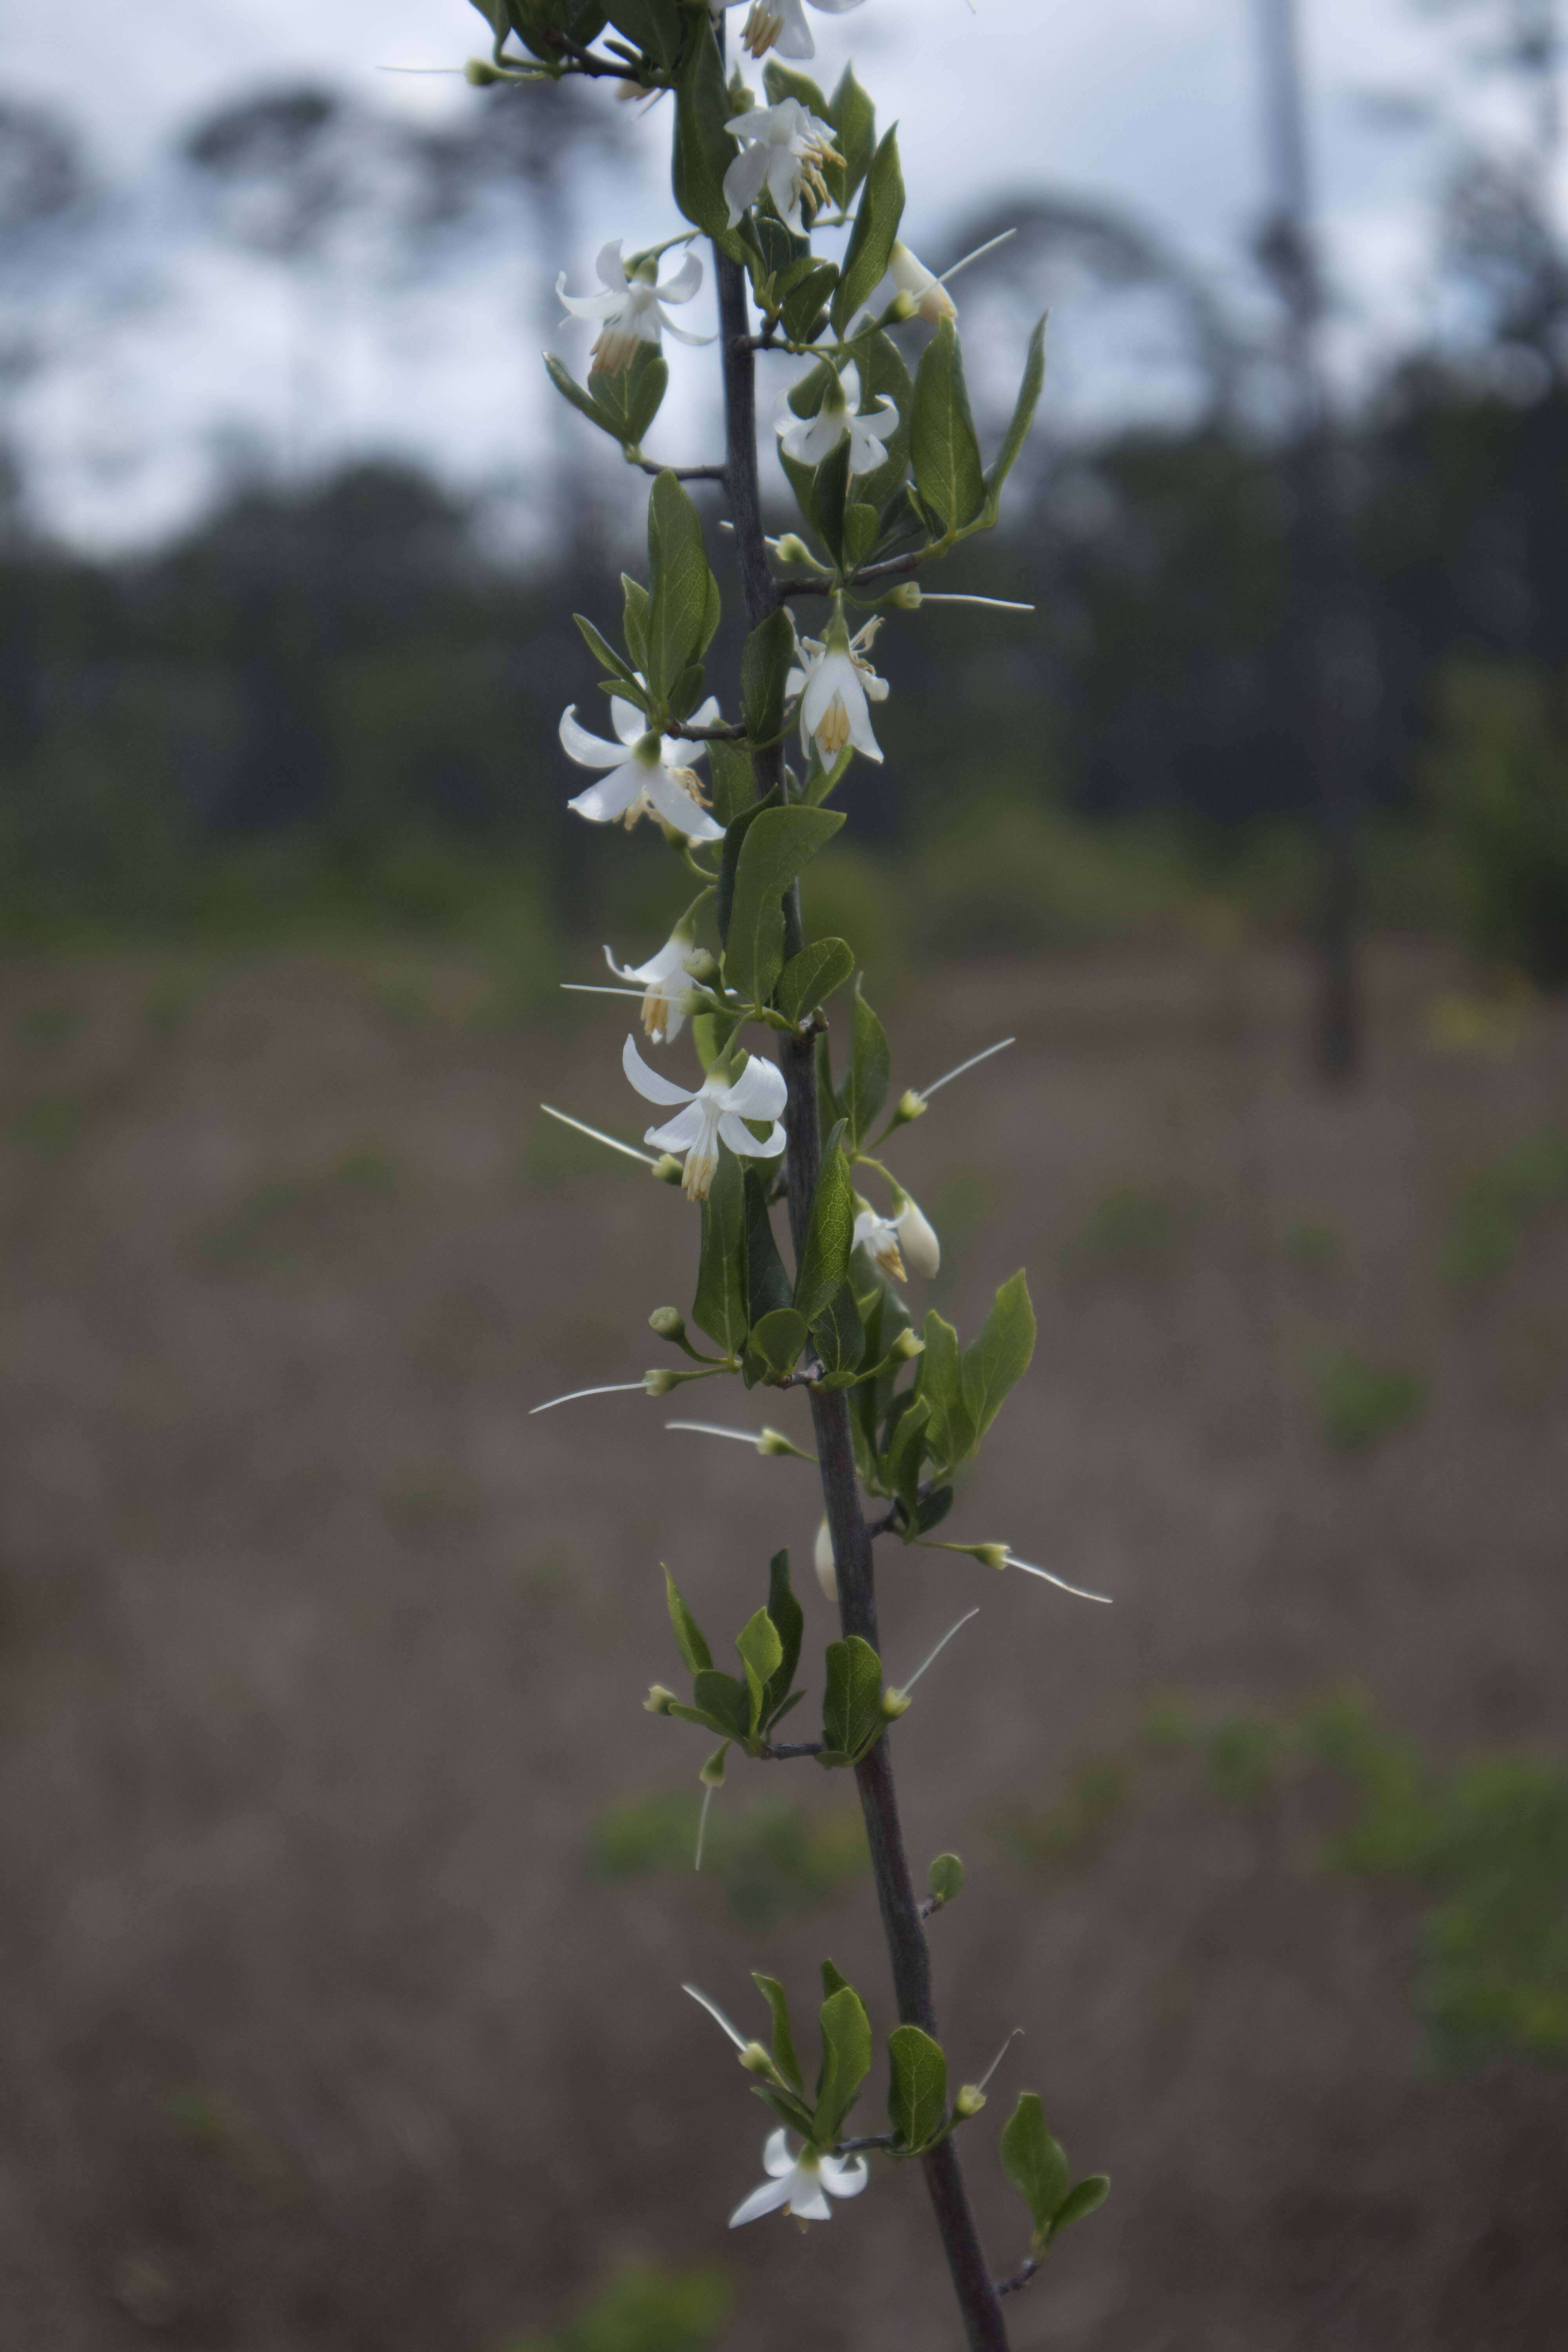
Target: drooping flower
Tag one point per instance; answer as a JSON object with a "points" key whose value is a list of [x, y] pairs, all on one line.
{"points": [[825, 1564], [717, 1113], [801, 2184], [927, 296], [646, 775], [783, 148], [907, 1235], [833, 687], [632, 306], [879, 1238], [665, 999], [918, 1238], [782, 25], [809, 440]]}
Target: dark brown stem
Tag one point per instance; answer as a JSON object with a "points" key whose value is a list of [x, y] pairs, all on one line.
{"points": [[1020, 2278], [682, 473], [984, 2327]]}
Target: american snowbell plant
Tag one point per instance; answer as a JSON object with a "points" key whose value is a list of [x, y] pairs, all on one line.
{"points": [[771, 1073]]}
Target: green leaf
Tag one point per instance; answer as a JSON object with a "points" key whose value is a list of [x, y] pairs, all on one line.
{"points": [[1033, 2161], [723, 1702], [761, 1650], [823, 1265], [764, 665], [1086, 2197], [810, 978], [846, 2061], [1000, 1356], [687, 1633], [631, 397], [865, 1087], [944, 1879], [735, 841], [784, 2059], [917, 2093], [829, 495], [768, 1286], [776, 845], [778, 1339], [871, 240], [942, 440], [704, 148], [805, 306], [678, 578], [838, 1337], [1017, 432], [608, 659], [854, 118], [790, 1619], [901, 1462], [721, 1305], [852, 1702], [635, 621], [950, 1432], [734, 781], [782, 81], [833, 1981], [651, 26], [859, 535]]}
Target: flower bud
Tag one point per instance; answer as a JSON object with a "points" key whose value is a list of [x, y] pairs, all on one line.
{"points": [[894, 1704], [911, 1105], [659, 1701], [969, 2102], [712, 1773], [822, 1560], [669, 1323], [908, 1345], [989, 1555], [666, 1169], [906, 596], [658, 1382], [772, 1441], [794, 550], [755, 2059], [480, 74]]}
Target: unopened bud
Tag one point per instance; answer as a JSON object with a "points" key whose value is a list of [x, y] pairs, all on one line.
{"points": [[822, 1560], [903, 306], [669, 1323], [772, 1441], [666, 1169], [917, 1238], [989, 1555], [659, 1701], [794, 550], [911, 1105], [908, 1345], [969, 2102], [894, 1704], [755, 2059], [658, 1382], [906, 596], [712, 1773], [479, 74]]}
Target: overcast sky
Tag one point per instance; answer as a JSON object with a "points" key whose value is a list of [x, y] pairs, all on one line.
{"points": [[188, 352]]}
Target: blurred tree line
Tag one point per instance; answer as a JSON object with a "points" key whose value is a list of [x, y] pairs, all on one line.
{"points": [[334, 683]]}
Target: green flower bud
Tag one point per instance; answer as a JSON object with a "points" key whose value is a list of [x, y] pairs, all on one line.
{"points": [[659, 1701], [712, 1773], [969, 2102], [772, 1441], [906, 596], [481, 75], [911, 1105], [666, 1169], [894, 1704], [755, 2059], [659, 1383], [908, 1345], [990, 1555], [794, 550], [669, 1323]]}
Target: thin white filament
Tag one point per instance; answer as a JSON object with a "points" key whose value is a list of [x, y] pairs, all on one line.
{"points": [[714, 2011], [973, 1062], [615, 1145], [1077, 1590], [1000, 2055], [997, 603], [714, 1429], [978, 254], [703, 1833], [616, 1388], [939, 1649], [599, 988]]}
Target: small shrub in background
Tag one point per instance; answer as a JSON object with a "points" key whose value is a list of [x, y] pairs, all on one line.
{"points": [[1361, 1402], [1499, 782], [644, 2311], [771, 1859], [1498, 1204]]}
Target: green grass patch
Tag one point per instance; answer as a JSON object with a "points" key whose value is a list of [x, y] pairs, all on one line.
{"points": [[1130, 1232], [644, 2311], [1499, 1205], [774, 1861], [1360, 1404], [49, 1127]]}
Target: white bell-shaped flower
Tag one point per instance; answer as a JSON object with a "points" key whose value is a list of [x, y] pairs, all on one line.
{"points": [[645, 774], [783, 148], [879, 1238], [717, 1113], [927, 296], [917, 1237], [665, 998], [632, 306], [834, 685], [782, 25], [809, 440], [801, 2184]]}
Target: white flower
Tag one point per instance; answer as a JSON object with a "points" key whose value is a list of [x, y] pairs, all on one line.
{"points": [[926, 295], [833, 687], [823, 1562], [809, 440], [880, 1238], [717, 1113], [802, 2184], [918, 1238], [646, 774], [632, 305], [783, 148], [666, 1002], [781, 25]]}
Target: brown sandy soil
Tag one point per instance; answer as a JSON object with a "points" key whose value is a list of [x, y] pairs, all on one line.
{"points": [[318, 1657]]}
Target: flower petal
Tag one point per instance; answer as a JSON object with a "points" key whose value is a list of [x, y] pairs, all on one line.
{"points": [[682, 283], [845, 2175], [743, 1143], [684, 1132], [808, 2203], [681, 336], [777, 2158], [652, 1085], [765, 2200], [612, 269], [587, 750], [629, 723], [608, 799], [677, 807], [758, 1092]]}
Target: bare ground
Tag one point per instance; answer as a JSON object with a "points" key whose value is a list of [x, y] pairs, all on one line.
{"points": [[317, 1658]]}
